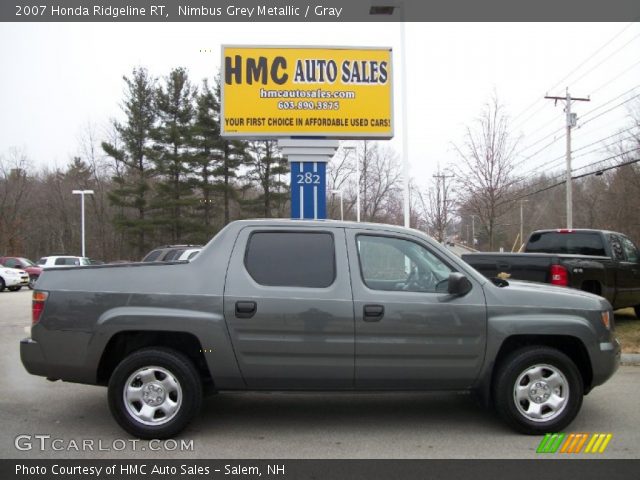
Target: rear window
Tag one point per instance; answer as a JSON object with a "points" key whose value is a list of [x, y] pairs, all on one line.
{"points": [[291, 259], [578, 243], [67, 261]]}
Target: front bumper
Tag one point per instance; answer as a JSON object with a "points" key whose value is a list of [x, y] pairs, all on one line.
{"points": [[32, 357], [16, 281], [607, 361]]}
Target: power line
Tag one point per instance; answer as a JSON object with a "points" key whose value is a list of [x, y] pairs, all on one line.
{"points": [[609, 110], [576, 177], [610, 81], [554, 160], [580, 126], [575, 69], [606, 59]]}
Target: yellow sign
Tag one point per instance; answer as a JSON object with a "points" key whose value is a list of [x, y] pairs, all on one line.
{"points": [[334, 92]]}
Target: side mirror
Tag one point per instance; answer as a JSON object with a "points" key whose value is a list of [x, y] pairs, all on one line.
{"points": [[459, 285]]}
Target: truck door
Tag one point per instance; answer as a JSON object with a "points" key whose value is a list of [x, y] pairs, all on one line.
{"points": [[289, 308], [628, 274], [410, 333]]}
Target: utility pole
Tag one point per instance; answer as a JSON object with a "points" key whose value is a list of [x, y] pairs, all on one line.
{"points": [[473, 231], [571, 119], [522, 223]]}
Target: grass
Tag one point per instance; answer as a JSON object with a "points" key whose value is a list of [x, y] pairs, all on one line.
{"points": [[628, 330]]}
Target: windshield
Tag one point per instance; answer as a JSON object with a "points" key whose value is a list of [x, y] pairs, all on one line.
{"points": [[26, 262]]}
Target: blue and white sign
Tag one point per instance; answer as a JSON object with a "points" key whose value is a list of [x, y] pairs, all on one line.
{"points": [[308, 190]]}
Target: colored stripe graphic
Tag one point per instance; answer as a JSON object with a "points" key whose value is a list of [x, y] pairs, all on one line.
{"points": [[550, 443], [574, 443]]}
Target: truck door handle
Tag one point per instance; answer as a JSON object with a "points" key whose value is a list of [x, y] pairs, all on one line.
{"points": [[245, 309], [504, 266], [373, 313]]}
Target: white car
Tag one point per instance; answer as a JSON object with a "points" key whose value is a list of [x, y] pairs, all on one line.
{"points": [[63, 261], [13, 279]]}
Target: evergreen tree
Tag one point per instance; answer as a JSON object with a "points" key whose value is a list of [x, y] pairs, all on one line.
{"points": [[174, 198], [233, 153], [131, 184], [207, 156], [267, 169]]}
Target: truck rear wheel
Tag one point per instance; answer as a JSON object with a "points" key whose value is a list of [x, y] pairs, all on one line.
{"points": [[155, 393], [637, 310], [538, 390]]}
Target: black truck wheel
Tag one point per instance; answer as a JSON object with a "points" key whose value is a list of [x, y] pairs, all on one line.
{"points": [[637, 310], [538, 390], [155, 393]]}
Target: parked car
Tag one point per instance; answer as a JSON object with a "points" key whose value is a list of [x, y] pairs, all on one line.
{"points": [[318, 305], [13, 279], [25, 264], [168, 253], [63, 261], [597, 261]]}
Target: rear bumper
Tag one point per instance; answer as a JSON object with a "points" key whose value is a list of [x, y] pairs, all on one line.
{"points": [[32, 357]]}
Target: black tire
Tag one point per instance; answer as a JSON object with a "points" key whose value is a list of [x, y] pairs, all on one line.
{"points": [[182, 372], [2, 284], [14, 289], [637, 310], [547, 365], [32, 282]]}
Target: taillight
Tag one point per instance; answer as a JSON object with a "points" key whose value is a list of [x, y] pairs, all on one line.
{"points": [[559, 275], [564, 230], [37, 305]]}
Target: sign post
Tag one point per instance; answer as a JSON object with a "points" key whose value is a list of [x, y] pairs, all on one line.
{"points": [[308, 162], [307, 98]]}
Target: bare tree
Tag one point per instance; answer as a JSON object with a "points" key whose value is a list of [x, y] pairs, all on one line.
{"points": [[15, 187], [438, 205], [380, 180], [484, 175]]}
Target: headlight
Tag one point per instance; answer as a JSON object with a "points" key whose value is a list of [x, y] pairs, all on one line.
{"points": [[606, 319]]}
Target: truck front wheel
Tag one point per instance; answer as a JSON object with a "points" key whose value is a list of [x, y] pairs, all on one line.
{"points": [[155, 393], [538, 390]]}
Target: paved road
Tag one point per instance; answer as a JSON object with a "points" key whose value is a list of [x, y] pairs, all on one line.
{"points": [[286, 425]]}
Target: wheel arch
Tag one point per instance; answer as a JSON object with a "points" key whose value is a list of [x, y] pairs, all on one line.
{"points": [[567, 344], [123, 343]]}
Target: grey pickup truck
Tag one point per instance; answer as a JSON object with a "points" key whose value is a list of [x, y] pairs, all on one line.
{"points": [[322, 305]]}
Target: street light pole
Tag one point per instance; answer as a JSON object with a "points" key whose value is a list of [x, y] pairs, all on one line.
{"points": [[387, 8], [82, 193]]}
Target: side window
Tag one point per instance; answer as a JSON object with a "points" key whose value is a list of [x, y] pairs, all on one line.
{"points": [[630, 250], [11, 263], [172, 254], [60, 261], [395, 264], [616, 248], [291, 259], [42, 261], [151, 257]]}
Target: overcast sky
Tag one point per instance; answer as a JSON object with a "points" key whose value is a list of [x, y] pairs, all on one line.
{"points": [[57, 77]]}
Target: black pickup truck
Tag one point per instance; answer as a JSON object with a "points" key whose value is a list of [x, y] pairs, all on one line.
{"points": [[597, 261]]}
